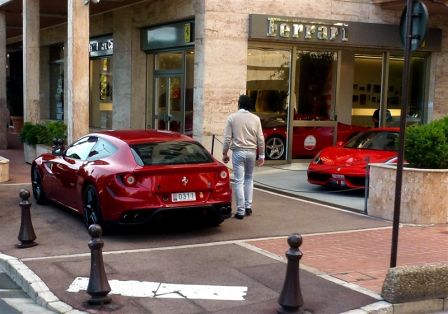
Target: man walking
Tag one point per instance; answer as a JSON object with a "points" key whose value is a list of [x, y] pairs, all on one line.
{"points": [[243, 135]]}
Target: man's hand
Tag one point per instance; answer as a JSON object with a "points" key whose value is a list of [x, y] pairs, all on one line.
{"points": [[260, 162], [225, 159]]}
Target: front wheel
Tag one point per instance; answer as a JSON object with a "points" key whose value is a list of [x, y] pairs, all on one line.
{"points": [[275, 148], [91, 207], [36, 182]]}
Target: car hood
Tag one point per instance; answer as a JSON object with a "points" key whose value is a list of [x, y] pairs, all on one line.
{"points": [[341, 156]]}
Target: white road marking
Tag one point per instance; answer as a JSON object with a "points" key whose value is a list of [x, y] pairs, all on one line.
{"points": [[133, 288]]}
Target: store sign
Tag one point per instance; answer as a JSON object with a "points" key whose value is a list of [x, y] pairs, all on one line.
{"points": [[333, 33], [101, 46], [293, 28], [173, 35]]}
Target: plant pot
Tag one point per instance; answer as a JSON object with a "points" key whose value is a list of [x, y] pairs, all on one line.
{"points": [[42, 149], [17, 123], [29, 153], [423, 194]]}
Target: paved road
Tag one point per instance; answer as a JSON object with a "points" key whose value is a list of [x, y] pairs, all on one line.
{"points": [[291, 179], [184, 254]]}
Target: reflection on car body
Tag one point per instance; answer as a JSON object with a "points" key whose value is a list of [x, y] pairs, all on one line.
{"points": [[133, 176]]}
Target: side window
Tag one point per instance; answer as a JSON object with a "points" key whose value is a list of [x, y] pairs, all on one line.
{"points": [[101, 150], [81, 149]]}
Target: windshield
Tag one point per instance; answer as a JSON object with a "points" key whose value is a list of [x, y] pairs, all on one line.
{"points": [[375, 140], [170, 153]]}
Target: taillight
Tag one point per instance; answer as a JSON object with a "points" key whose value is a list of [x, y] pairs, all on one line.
{"points": [[223, 175], [129, 180]]}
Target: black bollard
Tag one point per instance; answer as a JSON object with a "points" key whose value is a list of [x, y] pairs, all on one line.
{"points": [[290, 299], [26, 233], [98, 287]]}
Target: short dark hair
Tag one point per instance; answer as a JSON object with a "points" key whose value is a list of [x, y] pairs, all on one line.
{"points": [[244, 102]]}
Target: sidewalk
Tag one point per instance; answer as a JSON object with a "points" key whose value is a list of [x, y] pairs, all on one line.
{"points": [[343, 265]]}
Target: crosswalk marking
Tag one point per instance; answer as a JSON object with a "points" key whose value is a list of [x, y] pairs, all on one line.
{"points": [[133, 288]]}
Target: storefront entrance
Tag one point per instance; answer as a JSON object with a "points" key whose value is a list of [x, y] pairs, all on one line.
{"points": [[172, 94]]}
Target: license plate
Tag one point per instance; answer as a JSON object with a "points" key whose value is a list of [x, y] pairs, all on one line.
{"points": [[183, 197], [338, 176]]}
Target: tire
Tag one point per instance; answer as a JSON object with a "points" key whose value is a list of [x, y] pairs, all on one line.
{"points": [[36, 182], [91, 207], [275, 148]]}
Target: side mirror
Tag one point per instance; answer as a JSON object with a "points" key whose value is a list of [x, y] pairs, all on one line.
{"points": [[58, 147], [59, 151]]}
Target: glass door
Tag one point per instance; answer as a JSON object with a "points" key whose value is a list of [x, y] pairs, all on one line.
{"points": [[168, 110], [170, 87]]}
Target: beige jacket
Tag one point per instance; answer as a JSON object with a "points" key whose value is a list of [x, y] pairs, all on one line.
{"points": [[243, 131]]}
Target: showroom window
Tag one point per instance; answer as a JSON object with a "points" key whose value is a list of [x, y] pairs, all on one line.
{"points": [[101, 105], [368, 90], [57, 82], [268, 73]]}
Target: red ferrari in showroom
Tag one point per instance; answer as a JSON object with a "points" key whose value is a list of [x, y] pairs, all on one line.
{"points": [[345, 165], [133, 176], [307, 140]]}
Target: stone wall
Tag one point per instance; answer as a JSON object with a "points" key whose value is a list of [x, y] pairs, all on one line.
{"points": [[423, 195]]}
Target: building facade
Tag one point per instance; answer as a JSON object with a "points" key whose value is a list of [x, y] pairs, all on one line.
{"points": [[181, 65]]}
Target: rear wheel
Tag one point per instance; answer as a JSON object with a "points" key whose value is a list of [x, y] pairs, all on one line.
{"points": [[91, 207], [36, 182], [275, 148]]}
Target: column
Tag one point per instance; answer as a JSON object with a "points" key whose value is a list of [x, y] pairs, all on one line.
{"points": [[31, 58], [3, 116], [122, 69], [77, 70]]}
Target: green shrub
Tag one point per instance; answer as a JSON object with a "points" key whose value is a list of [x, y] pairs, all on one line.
{"points": [[43, 132], [426, 145]]}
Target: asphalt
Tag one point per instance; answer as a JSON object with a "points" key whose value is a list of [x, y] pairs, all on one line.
{"points": [[240, 257]]}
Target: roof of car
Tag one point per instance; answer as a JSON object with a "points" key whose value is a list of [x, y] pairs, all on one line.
{"points": [[149, 135]]}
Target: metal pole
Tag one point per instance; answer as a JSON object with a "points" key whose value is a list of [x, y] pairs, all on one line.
{"points": [[213, 143], [404, 106]]}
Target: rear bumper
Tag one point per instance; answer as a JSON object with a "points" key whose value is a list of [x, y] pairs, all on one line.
{"points": [[216, 212]]}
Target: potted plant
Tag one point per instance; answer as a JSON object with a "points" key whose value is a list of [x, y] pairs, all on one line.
{"points": [[38, 138], [425, 175]]}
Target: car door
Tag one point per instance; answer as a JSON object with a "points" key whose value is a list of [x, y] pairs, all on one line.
{"points": [[66, 171]]}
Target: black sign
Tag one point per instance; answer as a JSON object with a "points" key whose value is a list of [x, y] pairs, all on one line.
{"points": [[173, 35], [333, 33], [101, 46]]}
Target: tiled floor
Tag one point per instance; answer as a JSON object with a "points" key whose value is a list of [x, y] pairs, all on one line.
{"points": [[363, 257]]}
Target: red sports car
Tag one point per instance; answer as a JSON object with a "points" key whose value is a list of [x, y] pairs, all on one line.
{"points": [[133, 176], [307, 141], [345, 165]]}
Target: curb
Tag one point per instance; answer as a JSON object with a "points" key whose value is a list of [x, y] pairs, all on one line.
{"points": [[33, 286]]}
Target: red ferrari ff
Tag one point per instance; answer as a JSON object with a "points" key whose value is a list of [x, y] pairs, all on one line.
{"points": [[133, 176], [345, 165], [307, 141]]}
